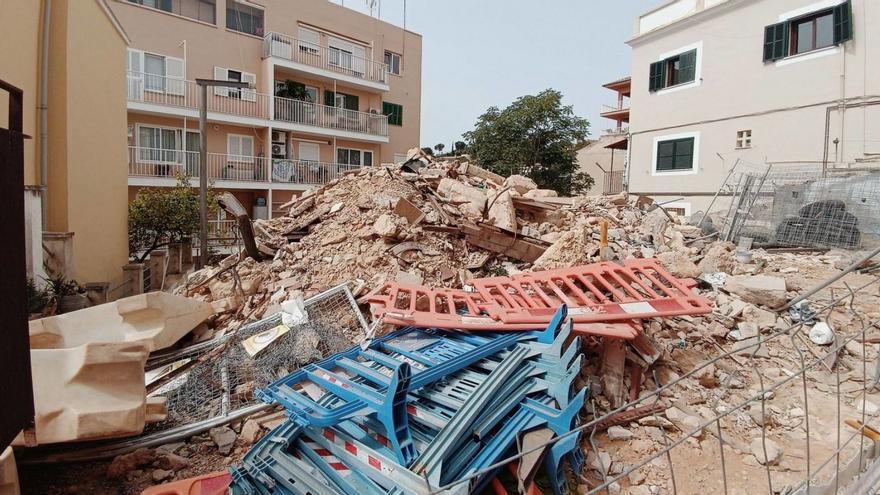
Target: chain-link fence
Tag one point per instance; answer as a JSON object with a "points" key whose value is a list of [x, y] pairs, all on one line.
{"points": [[802, 205], [217, 378]]}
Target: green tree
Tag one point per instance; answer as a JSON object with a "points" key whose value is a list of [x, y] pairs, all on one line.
{"points": [[439, 147], [534, 136], [162, 215], [428, 151], [459, 147]]}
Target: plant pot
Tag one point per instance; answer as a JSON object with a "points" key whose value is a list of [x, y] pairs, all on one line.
{"points": [[74, 302]]}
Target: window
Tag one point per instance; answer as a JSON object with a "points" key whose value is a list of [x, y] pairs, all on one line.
{"points": [[341, 100], [154, 73], [347, 156], [673, 71], [240, 148], [309, 41], [245, 94], [244, 18], [200, 10], [394, 112], [744, 139], [392, 60], [675, 154], [347, 57], [808, 33]]}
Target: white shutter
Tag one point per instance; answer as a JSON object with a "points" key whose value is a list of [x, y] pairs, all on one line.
{"points": [[249, 94], [247, 148], [233, 144], [135, 78], [174, 76], [359, 55], [309, 152], [220, 75], [309, 40]]}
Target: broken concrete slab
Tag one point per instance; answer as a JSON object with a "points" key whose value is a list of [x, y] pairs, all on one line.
{"points": [[470, 200], [519, 183], [774, 451], [156, 320], [502, 214], [758, 289]]}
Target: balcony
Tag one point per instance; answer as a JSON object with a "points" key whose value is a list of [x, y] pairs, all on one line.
{"points": [[148, 90], [619, 112], [163, 163], [154, 163], [333, 119], [308, 172], [325, 62]]}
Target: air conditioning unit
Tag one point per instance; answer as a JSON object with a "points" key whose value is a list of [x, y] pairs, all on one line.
{"points": [[375, 111], [279, 136], [279, 149]]}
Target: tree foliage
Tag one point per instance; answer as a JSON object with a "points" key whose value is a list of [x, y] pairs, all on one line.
{"points": [[162, 215], [439, 147], [535, 136]]}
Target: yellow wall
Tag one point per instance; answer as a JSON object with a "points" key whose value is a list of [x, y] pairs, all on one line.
{"points": [[19, 53]]}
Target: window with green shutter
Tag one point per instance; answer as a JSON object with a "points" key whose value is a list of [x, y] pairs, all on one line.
{"points": [[843, 22], [674, 70], [776, 41], [394, 112], [675, 154], [809, 32]]}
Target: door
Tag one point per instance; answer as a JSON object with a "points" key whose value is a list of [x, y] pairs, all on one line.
{"points": [[135, 75], [193, 143]]}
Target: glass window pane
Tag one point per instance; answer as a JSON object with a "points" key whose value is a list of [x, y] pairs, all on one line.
{"points": [[354, 157], [685, 146], [664, 163], [368, 158], [154, 67], [825, 31], [342, 155], [805, 37]]}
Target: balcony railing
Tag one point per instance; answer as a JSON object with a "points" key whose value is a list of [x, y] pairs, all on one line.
{"points": [[329, 58], [308, 172], [613, 108], [168, 91], [314, 114], [154, 162]]}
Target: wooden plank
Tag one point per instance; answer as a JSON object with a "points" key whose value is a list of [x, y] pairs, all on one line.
{"points": [[504, 242], [409, 211]]}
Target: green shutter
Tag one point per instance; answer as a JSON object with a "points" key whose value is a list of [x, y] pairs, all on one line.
{"points": [[687, 66], [843, 22], [352, 103], [675, 154], [776, 41], [394, 113], [656, 80]]}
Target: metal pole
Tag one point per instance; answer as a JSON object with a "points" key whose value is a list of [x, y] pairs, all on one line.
{"points": [[203, 175]]}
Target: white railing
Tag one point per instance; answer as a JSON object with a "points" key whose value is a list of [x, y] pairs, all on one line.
{"points": [[323, 57], [308, 172], [315, 114], [168, 91], [613, 108], [153, 162]]}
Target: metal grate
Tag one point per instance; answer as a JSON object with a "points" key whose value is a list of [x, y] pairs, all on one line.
{"points": [[224, 376]]}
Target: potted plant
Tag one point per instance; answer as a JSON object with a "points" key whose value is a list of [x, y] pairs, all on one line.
{"points": [[68, 295], [38, 299], [291, 90]]}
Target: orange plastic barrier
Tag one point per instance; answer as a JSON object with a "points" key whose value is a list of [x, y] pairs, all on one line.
{"points": [[210, 484], [602, 300]]}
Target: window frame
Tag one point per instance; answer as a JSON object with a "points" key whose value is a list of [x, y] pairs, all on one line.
{"points": [[239, 157], [200, 4], [695, 157], [391, 55], [397, 113], [179, 151], [659, 70], [361, 154], [743, 140], [233, 5], [811, 18]]}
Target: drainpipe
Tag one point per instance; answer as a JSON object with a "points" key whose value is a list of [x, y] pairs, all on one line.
{"points": [[44, 115]]}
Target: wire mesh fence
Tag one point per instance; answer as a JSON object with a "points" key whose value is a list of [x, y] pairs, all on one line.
{"points": [[803, 205], [786, 416], [219, 377]]}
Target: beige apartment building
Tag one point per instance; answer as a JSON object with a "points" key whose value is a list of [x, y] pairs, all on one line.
{"points": [[762, 81], [332, 90], [75, 189]]}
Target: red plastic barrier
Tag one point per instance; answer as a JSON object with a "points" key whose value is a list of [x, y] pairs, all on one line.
{"points": [[210, 484], [597, 292], [602, 299]]}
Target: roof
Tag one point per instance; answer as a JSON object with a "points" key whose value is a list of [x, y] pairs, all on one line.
{"points": [[618, 82]]}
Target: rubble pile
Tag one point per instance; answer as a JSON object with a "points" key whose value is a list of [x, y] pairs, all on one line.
{"points": [[438, 223]]}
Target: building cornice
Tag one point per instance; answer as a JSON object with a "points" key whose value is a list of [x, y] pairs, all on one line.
{"points": [[684, 22]]}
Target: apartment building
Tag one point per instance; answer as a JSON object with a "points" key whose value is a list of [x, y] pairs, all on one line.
{"points": [[331, 90], [75, 189], [605, 158], [762, 81]]}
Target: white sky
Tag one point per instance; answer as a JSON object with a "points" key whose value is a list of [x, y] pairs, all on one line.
{"points": [[479, 53]]}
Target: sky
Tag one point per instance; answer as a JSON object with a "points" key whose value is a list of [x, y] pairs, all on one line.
{"points": [[480, 53]]}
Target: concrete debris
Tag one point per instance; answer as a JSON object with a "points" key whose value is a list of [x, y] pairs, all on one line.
{"points": [[224, 439], [758, 289], [774, 452], [821, 334]]}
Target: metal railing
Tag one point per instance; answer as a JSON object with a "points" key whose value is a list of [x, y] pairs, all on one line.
{"points": [[325, 116], [323, 57], [613, 182], [153, 162], [308, 172], [173, 92], [614, 108]]}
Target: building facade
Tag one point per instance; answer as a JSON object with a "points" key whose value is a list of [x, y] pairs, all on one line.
{"points": [[331, 90], [79, 195], [761, 81], [605, 158]]}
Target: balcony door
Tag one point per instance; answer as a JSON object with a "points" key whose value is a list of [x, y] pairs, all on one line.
{"points": [[309, 152]]}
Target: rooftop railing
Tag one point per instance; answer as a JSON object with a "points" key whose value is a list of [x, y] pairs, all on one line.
{"points": [[324, 57]]}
